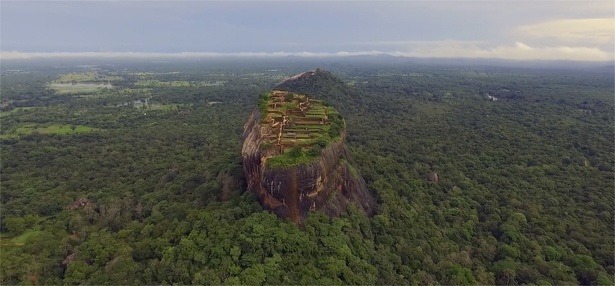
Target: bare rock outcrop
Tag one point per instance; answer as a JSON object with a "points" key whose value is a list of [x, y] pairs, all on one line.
{"points": [[433, 177], [328, 183]]}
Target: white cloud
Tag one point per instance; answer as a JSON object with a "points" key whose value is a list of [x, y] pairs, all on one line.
{"points": [[571, 31], [522, 51], [518, 51]]}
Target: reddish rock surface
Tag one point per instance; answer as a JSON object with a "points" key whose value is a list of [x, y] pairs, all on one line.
{"points": [[329, 183]]}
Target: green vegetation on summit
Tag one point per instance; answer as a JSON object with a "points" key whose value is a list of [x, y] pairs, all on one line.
{"points": [[297, 127]]}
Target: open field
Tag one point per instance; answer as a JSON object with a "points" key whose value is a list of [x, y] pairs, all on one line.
{"points": [[156, 106], [82, 82], [178, 83], [79, 88], [90, 76], [19, 240]]}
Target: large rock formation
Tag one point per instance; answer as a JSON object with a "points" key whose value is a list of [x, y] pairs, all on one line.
{"points": [[295, 159]]}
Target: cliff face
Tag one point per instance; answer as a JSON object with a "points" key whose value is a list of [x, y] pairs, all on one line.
{"points": [[327, 183]]}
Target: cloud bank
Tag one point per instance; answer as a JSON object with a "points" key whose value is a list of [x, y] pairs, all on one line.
{"points": [[425, 49], [587, 31], [516, 51], [30, 55]]}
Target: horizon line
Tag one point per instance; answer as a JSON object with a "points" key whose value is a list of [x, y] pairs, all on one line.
{"points": [[17, 55]]}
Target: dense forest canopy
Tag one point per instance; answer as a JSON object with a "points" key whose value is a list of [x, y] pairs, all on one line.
{"points": [[129, 172]]}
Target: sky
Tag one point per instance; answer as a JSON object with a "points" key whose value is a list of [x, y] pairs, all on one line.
{"points": [[516, 30]]}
